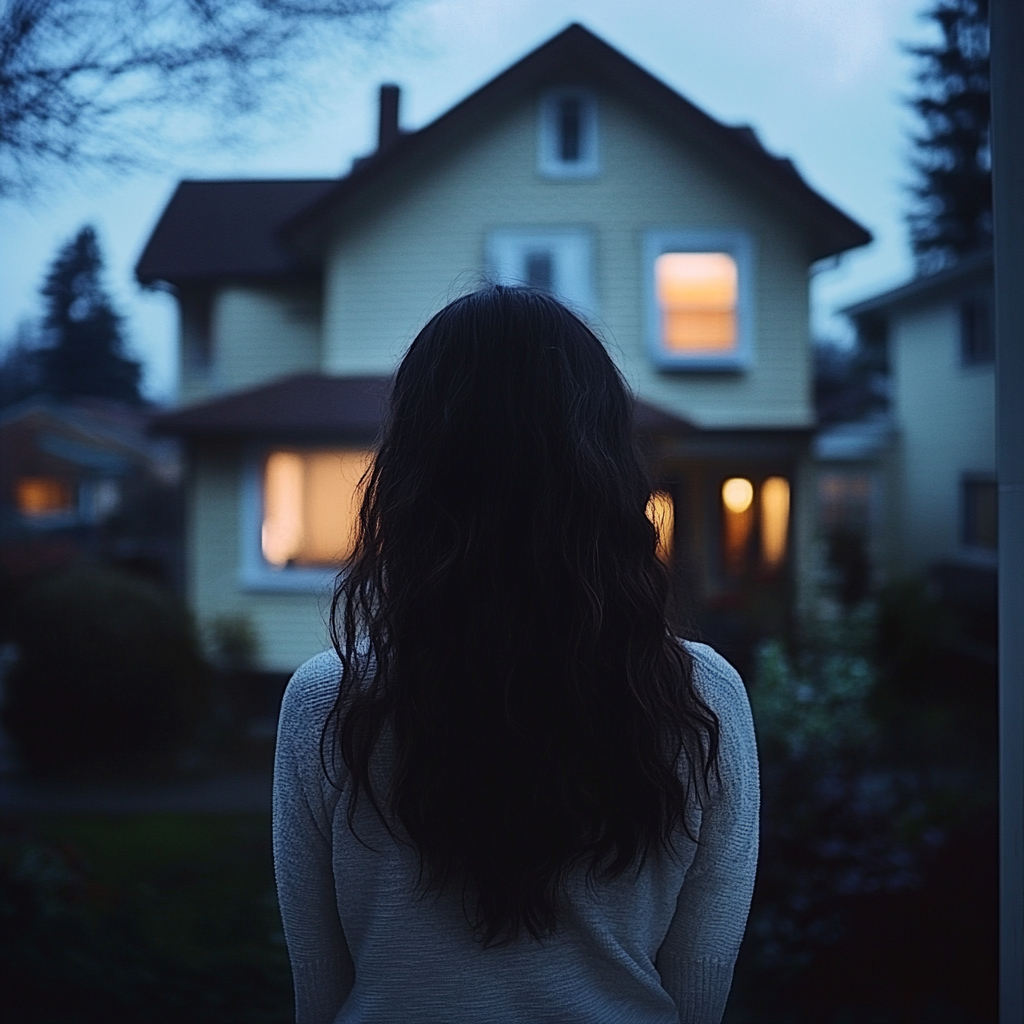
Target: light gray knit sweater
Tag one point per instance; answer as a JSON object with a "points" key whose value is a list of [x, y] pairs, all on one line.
{"points": [[654, 947]]}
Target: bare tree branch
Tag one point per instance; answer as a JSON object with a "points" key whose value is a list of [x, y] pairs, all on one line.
{"points": [[88, 81]]}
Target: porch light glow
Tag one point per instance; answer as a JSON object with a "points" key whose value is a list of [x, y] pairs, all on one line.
{"points": [[738, 506], [737, 494], [774, 520], [697, 294], [662, 512], [310, 505]]}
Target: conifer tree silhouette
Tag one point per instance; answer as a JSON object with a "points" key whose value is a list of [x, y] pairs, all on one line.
{"points": [[85, 354], [951, 216]]}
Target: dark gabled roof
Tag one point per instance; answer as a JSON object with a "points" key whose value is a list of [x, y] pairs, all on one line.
{"points": [[576, 54], [316, 407], [226, 229], [308, 405], [246, 229], [967, 271]]}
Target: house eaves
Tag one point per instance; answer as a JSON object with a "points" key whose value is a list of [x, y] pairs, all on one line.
{"points": [[967, 272], [577, 55], [317, 407], [214, 230]]}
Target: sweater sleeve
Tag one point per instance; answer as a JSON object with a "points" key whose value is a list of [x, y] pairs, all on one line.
{"points": [[697, 957], [322, 968]]}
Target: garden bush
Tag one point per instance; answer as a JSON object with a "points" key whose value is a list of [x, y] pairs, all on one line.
{"points": [[109, 675]]}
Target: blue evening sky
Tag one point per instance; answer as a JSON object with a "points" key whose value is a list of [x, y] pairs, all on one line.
{"points": [[821, 81]]}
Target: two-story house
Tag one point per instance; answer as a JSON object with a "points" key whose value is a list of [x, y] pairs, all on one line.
{"points": [[681, 240], [941, 501]]}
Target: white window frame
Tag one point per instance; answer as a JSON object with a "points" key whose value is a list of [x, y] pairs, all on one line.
{"points": [[549, 161], [255, 573], [573, 247], [740, 246]]}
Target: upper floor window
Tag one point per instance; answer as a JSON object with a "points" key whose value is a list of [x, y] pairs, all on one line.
{"points": [[558, 260], [699, 298], [567, 137], [977, 344]]}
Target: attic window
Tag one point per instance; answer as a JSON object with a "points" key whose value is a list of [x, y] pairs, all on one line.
{"points": [[567, 138], [699, 299]]}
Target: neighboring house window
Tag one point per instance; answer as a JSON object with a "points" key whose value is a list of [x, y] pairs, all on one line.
{"points": [[44, 497], [745, 507], [980, 511], [567, 135], [977, 344], [558, 260], [699, 299]]}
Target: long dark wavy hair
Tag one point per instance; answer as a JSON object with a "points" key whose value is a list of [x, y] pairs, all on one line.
{"points": [[504, 615]]}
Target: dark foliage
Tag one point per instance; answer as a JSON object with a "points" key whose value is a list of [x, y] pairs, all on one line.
{"points": [[952, 215], [877, 896], [131, 919], [505, 612], [92, 81], [109, 675], [849, 383]]}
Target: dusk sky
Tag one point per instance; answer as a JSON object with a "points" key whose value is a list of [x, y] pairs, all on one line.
{"points": [[821, 81]]}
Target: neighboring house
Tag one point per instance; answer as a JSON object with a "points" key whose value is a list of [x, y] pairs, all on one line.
{"points": [[941, 519], [682, 240], [85, 480]]}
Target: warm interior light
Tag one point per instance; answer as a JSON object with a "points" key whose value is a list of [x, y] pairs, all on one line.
{"points": [[697, 296], [43, 496], [662, 512], [738, 506], [774, 520], [737, 494], [310, 503]]}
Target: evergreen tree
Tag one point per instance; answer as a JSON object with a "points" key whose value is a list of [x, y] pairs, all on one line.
{"points": [[84, 356], [952, 215]]}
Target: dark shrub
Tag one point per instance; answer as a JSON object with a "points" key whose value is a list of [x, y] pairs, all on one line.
{"points": [[109, 674]]}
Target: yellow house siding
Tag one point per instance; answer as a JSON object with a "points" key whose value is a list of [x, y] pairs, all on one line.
{"points": [[258, 333], [946, 417], [290, 626], [417, 241]]}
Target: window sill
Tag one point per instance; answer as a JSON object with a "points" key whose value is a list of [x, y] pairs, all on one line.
{"points": [[262, 579]]}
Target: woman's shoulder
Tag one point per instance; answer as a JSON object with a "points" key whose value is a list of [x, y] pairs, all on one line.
{"points": [[312, 691], [713, 676]]}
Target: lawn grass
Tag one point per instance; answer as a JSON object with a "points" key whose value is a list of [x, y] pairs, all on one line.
{"points": [[141, 917]]}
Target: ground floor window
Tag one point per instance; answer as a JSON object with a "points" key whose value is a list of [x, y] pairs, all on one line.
{"points": [[310, 504]]}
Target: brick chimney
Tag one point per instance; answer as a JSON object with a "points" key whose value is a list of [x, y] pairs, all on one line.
{"points": [[388, 129]]}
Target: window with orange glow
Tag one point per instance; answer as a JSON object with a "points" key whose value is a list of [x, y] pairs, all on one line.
{"points": [[310, 505], [774, 521], [41, 496], [697, 295], [662, 512]]}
